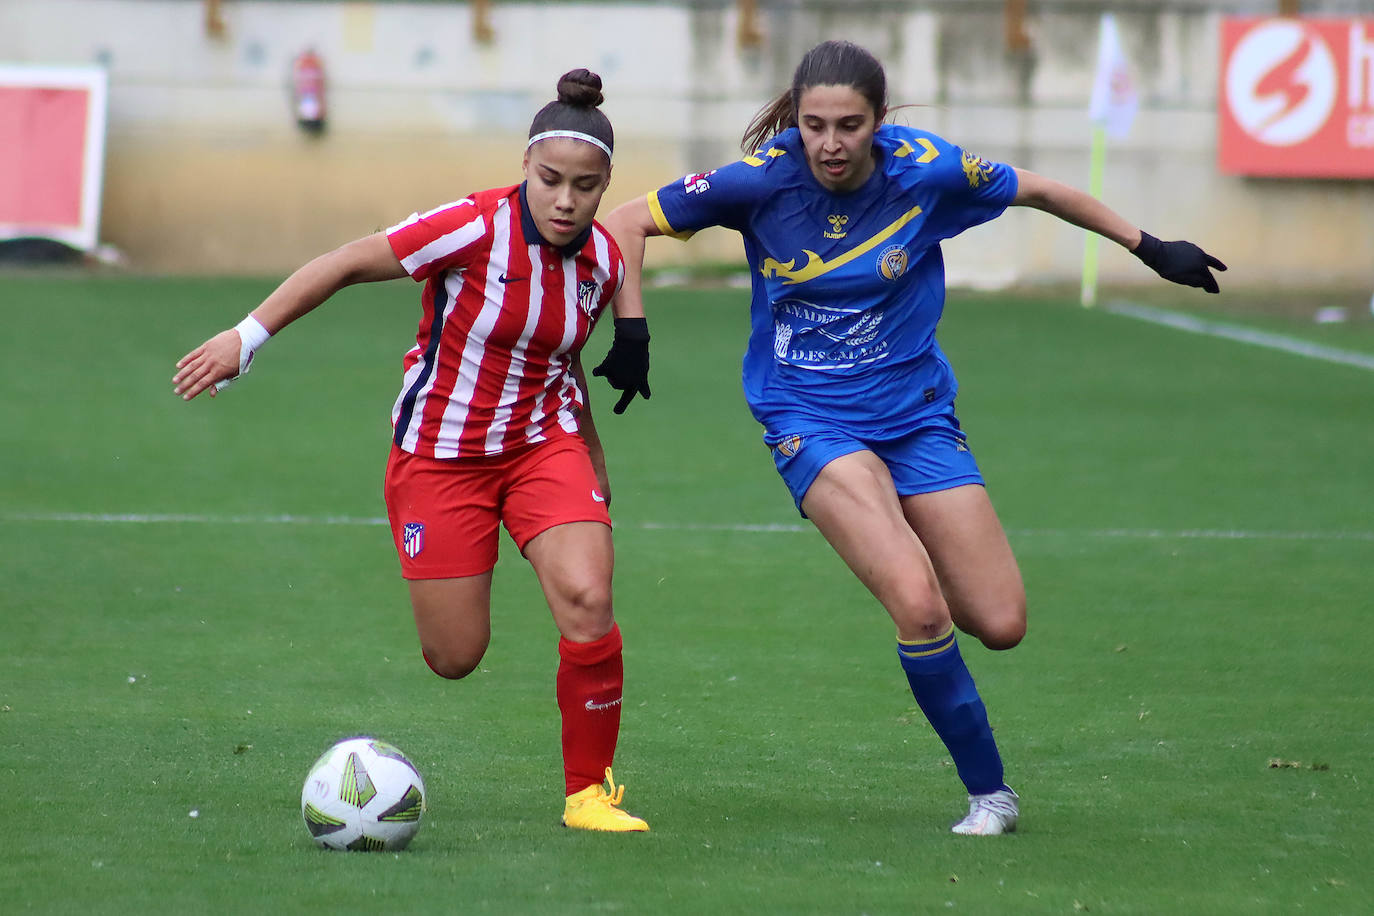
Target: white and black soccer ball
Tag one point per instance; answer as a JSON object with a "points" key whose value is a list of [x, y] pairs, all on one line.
{"points": [[363, 794]]}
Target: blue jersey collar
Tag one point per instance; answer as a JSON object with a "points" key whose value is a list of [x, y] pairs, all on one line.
{"points": [[531, 231]]}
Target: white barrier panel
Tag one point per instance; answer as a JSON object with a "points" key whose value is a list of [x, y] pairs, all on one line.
{"points": [[52, 152]]}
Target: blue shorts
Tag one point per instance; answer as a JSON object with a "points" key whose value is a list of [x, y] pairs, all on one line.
{"points": [[933, 457]]}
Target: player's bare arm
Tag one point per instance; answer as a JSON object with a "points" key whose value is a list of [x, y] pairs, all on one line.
{"points": [[630, 224], [586, 426], [1074, 206], [626, 366], [1177, 261], [364, 260]]}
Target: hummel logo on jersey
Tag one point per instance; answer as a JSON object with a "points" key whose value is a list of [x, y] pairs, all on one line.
{"points": [[505, 279], [592, 706], [837, 223], [598, 497]]}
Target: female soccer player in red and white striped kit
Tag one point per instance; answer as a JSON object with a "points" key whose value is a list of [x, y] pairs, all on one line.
{"points": [[492, 424]]}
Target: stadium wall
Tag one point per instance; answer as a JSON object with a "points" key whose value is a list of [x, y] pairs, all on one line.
{"points": [[206, 171]]}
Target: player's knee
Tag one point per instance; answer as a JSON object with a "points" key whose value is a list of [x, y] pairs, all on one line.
{"points": [[1004, 633], [920, 613], [594, 598], [586, 613], [453, 665]]}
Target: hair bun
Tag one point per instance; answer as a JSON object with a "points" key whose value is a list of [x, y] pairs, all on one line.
{"points": [[580, 87]]}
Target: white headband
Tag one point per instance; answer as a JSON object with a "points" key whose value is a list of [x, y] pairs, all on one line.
{"points": [[572, 135]]}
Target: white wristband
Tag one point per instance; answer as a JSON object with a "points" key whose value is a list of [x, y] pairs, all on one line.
{"points": [[251, 336]]}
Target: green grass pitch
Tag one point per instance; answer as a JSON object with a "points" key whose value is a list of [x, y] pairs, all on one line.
{"points": [[197, 598]]}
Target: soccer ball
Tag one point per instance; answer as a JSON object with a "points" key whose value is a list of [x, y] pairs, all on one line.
{"points": [[363, 794]]}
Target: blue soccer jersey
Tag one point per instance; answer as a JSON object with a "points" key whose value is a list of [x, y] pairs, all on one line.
{"points": [[847, 287]]}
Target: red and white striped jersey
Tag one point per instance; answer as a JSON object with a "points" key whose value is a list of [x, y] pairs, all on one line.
{"points": [[505, 313]]}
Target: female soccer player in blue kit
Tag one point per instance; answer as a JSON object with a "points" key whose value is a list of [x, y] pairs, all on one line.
{"points": [[842, 216]]}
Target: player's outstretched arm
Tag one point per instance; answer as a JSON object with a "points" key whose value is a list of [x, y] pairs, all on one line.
{"points": [[1181, 262], [229, 353], [626, 366]]}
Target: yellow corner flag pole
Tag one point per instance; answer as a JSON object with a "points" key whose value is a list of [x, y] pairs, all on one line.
{"points": [[1088, 294], [1111, 110]]}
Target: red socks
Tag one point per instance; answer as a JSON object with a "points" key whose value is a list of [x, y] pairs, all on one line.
{"points": [[591, 676]]}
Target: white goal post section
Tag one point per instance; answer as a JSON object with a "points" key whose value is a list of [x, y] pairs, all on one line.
{"points": [[52, 152]]}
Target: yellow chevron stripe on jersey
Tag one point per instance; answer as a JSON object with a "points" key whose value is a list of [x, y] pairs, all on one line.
{"points": [[816, 266], [906, 149], [773, 153], [661, 220]]}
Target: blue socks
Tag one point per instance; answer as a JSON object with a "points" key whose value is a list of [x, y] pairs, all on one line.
{"points": [[945, 691]]}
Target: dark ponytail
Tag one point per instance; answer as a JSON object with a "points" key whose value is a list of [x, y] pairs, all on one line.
{"points": [[831, 63], [579, 95], [771, 120]]}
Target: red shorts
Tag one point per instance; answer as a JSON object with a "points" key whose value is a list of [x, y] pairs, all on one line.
{"points": [[445, 512]]}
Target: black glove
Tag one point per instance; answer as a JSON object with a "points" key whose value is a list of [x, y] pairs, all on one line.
{"points": [[626, 366], [1181, 262]]}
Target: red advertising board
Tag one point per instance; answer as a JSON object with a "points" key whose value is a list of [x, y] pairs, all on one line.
{"points": [[42, 155], [1297, 97]]}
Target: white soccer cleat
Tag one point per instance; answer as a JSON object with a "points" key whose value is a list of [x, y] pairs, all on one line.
{"points": [[990, 815]]}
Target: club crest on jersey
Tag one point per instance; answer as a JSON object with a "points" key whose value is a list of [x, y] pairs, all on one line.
{"points": [[789, 446], [892, 262], [976, 169], [697, 184], [413, 538], [837, 224], [586, 295]]}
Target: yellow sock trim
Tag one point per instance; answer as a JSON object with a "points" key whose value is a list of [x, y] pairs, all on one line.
{"points": [[919, 648]]}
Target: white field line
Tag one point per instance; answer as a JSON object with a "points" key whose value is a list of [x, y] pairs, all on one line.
{"points": [[180, 518], [1242, 334], [1213, 534]]}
